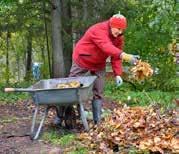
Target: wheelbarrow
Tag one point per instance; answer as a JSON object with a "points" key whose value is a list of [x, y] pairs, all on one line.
{"points": [[47, 94]]}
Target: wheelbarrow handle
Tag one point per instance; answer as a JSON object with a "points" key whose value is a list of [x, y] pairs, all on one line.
{"points": [[9, 89], [18, 90]]}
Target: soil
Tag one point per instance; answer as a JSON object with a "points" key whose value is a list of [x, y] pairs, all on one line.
{"points": [[15, 124]]}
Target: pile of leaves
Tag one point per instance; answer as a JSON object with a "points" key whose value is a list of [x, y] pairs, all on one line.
{"points": [[144, 129], [72, 84], [141, 70]]}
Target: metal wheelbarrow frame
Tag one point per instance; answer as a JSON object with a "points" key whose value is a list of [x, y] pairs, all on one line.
{"points": [[45, 93]]}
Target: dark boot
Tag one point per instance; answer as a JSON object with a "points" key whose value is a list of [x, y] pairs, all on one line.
{"points": [[60, 114], [96, 108], [70, 117]]}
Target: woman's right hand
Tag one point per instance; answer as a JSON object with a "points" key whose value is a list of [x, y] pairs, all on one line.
{"points": [[132, 59]]}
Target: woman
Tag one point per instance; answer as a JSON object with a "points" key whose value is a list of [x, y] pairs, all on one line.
{"points": [[102, 40]]}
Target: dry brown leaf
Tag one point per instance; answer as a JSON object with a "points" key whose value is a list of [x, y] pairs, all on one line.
{"points": [[157, 149], [142, 70], [157, 140], [175, 145], [135, 126]]}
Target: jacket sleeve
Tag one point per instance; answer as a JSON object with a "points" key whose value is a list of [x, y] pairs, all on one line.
{"points": [[102, 40], [116, 66], [116, 62]]}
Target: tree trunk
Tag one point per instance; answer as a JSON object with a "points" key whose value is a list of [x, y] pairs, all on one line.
{"points": [[43, 73], [75, 33], [17, 69], [7, 56], [57, 56], [47, 42], [18, 66], [85, 10], [67, 34], [28, 55]]}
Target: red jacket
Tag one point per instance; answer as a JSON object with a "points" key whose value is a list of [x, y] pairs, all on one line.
{"points": [[97, 44]]}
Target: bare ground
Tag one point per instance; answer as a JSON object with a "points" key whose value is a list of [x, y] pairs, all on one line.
{"points": [[15, 124]]}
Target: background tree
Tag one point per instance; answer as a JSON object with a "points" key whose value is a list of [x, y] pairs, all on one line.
{"points": [[58, 59], [53, 35]]}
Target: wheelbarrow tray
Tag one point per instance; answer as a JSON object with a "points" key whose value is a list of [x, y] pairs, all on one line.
{"points": [[45, 91]]}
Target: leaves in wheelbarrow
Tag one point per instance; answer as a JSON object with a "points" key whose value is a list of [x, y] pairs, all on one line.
{"points": [[137, 127], [72, 84]]}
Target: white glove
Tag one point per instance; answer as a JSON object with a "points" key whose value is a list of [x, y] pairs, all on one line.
{"points": [[119, 81]]}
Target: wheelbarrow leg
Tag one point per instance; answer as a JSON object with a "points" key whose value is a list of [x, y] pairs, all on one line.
{"points": [[83, 117], [34, 119], [36, 135]]}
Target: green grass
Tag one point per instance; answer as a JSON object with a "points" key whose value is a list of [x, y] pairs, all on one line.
{"points": [[13, 97], [79, 150], [126, 94], [62, 140], [12, 119], [8, 119], [66, 140]]}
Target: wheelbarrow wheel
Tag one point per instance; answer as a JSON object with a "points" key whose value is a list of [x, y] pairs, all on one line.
{"points": [[70, 117]]}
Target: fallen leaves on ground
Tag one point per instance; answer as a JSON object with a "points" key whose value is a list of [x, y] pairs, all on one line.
{"points": [[142, 128], [142, 70]]}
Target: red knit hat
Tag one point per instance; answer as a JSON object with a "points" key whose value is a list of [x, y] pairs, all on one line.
{"points": [[118, 21]]}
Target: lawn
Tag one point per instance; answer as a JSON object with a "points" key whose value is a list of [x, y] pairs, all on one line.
{"points": [[123, 95]]}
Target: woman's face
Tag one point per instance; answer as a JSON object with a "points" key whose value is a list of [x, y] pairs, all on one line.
{"points": [[116, 32]]}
